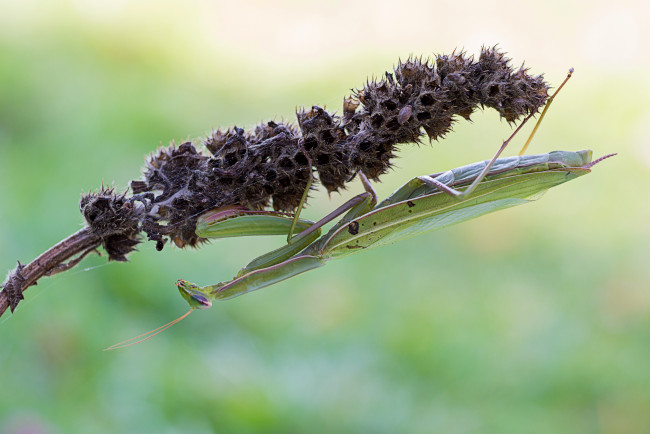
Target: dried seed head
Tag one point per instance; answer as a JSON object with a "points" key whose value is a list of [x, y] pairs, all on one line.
{"points": [[113, 218], [512, 93], [271, 164], [324, 140], [259, 166], [173, 175]]}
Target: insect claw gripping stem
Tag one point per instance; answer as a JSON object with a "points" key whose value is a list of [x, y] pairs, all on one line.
{"points": [[274, 164]]}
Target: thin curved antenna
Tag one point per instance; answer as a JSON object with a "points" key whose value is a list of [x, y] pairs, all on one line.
{"points": [[149, 334]]}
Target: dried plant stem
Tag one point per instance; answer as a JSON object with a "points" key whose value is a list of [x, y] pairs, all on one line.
{"points": [[61, 257]]}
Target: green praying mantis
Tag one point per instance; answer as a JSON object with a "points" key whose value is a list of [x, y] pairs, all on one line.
{"points": [[424, 204], [417, 207]]}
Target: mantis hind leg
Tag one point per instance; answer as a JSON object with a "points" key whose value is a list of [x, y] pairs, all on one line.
{"points": [[463, 194], [238, 221]]}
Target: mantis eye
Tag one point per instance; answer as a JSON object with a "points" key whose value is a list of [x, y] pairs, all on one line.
{"points": [[202, 300], [193, 295]]}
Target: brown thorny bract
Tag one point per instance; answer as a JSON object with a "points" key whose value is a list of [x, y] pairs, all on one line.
{"points": [[267, 166]]}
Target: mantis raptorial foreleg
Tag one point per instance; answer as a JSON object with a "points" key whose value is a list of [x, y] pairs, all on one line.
{"points": [[238, 221], [280, 264], [358, 205], [351, 204], [354, 207]]}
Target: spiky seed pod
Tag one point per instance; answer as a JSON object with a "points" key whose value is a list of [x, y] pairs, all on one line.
{"points": [[232, 165], [284, 167], [179, 172], [256, 167], [115, 219], [324, 139], [269, 165], [512, 93]]}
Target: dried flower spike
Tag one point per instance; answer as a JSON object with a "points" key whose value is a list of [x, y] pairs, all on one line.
{"points": [[271, 164]]}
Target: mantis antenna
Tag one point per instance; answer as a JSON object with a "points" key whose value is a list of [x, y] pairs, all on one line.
{"points": [[548, 104], [147, 335]]}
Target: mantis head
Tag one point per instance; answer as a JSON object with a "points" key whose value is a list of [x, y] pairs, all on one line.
{"points": [[192, 293]]}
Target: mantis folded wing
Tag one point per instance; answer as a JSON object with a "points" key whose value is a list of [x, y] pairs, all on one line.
{"points": [[417, 207]]}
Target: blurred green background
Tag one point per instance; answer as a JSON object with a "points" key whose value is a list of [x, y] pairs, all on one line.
{"points": [[534, 319]]}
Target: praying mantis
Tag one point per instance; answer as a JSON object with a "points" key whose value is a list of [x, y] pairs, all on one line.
{"points": [[227, 186], [424, 204], [417, 207]]}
